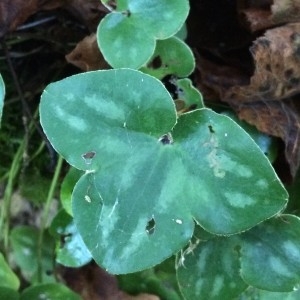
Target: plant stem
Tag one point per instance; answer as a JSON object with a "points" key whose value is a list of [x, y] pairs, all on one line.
{"points": [[45, 216], [5, 211]]}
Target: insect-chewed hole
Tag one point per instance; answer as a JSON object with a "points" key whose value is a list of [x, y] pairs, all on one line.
{"points": [[150, 227], [211, 129], [88, 157], [166, 139]]}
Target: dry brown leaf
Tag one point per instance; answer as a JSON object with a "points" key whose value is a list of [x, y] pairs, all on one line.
{"points": [[277, 67], [15, 12], [88, 11], [87, 55], [284, 11], [277, 118], [257, 19], [93, 283]]}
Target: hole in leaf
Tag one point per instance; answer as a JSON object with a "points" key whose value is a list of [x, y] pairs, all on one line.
{"points": [[88, 157], [166, 139], [150, 227], [211, 129], [156, 62], [126, 13]]}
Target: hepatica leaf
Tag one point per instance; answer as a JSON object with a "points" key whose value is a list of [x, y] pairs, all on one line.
{"points": [[127, 36], [149, 176], [271, 253], [171, 56]]}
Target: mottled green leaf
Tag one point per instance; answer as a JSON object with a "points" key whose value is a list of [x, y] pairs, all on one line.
{"points": [[147, 177], [128, 35], [7, 277], [210, 270], [71, 250], [271, 253]]}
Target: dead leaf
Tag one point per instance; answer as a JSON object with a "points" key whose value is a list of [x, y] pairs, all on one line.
{"points": [[277, 67], [87, 55], [284, 11], [93, 283], [256, 19], [13, 13], [212, 79], [277, 118]]}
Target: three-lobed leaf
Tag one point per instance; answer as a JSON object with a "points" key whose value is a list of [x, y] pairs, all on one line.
{"points": [[127, 36], [148, 176]]}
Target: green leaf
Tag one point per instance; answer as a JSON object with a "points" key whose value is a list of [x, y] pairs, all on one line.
{"points": [[7, 277], [271, 255], [71, 250], [49, 291], [160, 281], [189, 97], [8, 294], [2, 93], [266, 143], [127, 36], [210, 270], [171, 56], [256, 294], [24, 241], [67, 188], [147, 177]]}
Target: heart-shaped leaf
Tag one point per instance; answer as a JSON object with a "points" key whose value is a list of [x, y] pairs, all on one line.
{"points": [[147, 177], [127, 36]]}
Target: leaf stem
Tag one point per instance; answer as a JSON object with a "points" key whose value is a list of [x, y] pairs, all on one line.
{"points": [[45, 216]]}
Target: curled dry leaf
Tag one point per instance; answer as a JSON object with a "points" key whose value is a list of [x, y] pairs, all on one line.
{"points": [[277, 67], [256, 19], [284, 11], [87, 55], [264, 103]]}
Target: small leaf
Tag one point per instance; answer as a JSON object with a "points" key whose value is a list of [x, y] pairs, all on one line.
{"points": [[210, 270], [71, 250], [24, 241], [187, 95], [171, 56], [2, 93], [67, 188], [271, 254], [127, 36], [49, 291], [7, 277]]}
